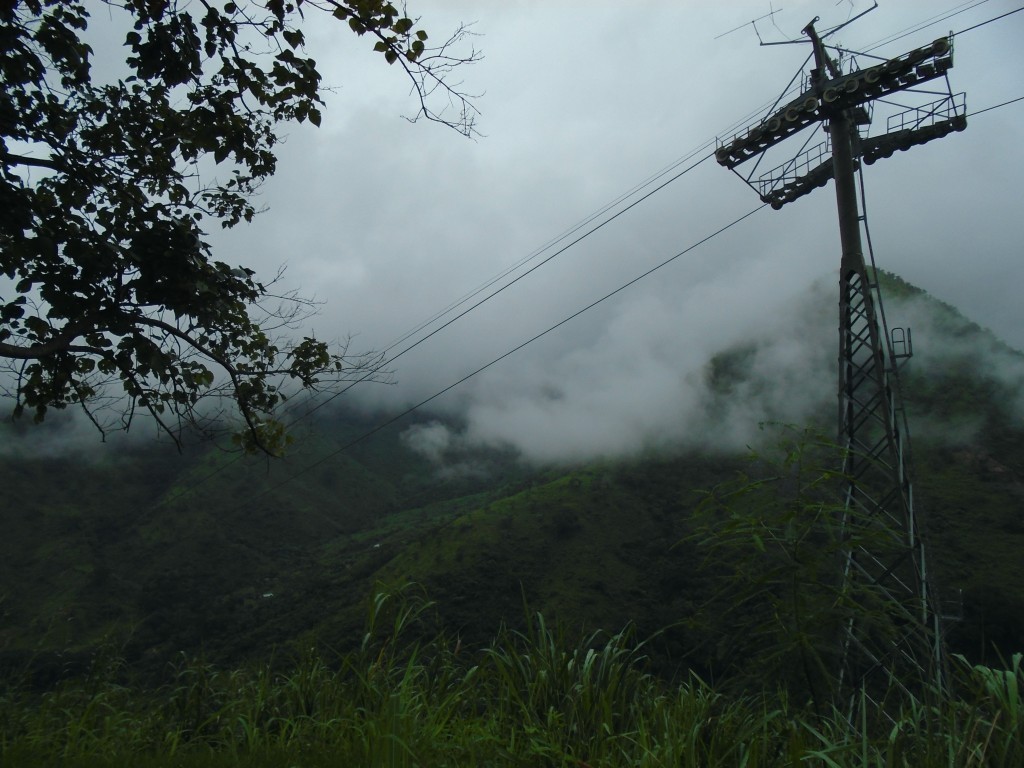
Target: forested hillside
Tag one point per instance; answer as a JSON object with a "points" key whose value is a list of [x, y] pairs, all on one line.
{"points": [[153, 554]]}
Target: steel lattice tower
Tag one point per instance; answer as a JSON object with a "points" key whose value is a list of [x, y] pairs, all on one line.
{"points": [[884, 565]]}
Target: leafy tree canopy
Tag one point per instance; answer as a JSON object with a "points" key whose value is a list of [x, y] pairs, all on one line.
{"points": [[110, 293]]}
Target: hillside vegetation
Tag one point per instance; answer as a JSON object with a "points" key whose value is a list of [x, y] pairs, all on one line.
{"points": [[155, 554], [541, 697]]}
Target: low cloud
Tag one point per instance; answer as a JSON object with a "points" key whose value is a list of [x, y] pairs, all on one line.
{"points": [[703, 372], [430, 440], [646, 381]]}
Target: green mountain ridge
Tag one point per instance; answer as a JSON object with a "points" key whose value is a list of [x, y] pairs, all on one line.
{"points": [[157, 554]]}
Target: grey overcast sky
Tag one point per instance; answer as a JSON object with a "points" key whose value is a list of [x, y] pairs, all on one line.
{"points": [[388, 223]]}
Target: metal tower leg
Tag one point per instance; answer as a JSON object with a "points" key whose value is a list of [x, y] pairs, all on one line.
{"points": [[894, 640]]}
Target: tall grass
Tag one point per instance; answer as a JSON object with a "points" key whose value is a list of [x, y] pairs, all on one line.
{"points": [[533, 698]]}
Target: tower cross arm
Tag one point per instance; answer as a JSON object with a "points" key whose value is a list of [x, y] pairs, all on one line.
{"points": [[831, 93]]}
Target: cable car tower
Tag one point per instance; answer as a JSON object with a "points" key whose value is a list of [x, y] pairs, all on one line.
{"points": [[884, 555]]}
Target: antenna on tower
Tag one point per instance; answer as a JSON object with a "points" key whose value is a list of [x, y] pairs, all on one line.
{"points": [[771, 15], [849, 19], [753, 23]]}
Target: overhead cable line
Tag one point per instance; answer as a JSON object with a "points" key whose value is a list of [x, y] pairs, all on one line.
{"points": [[495, 361], [457, 317], [929, 22], [996, 106], [706, 146], [997, 18], [512, 282]]}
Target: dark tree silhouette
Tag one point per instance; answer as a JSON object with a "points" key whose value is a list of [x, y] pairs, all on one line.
{"points": [[110, 294]]}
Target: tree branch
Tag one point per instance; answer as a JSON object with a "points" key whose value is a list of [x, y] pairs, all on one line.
{"points": [[9, 158], [231, 370], [61, 343]]}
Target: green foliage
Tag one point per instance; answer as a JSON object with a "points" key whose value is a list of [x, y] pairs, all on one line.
{"points": [[1003, 687], [162, 553], [582, 694], [532, 698], [173, 553], [776, 541], [106, 189]]}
